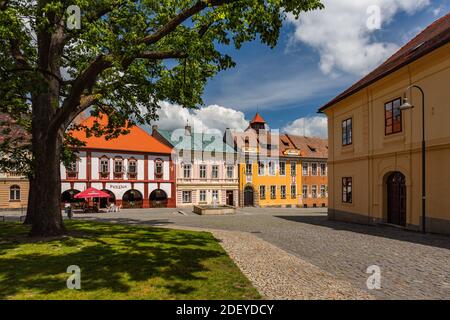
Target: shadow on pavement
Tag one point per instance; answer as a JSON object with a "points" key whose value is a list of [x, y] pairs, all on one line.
{"points": [[435, 240]]}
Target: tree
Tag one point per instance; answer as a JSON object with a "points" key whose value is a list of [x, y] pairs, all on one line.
{"points": [[123, 59]]}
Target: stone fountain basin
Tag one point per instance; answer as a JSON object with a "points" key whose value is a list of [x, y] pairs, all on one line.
{"points": [[214, 210]]}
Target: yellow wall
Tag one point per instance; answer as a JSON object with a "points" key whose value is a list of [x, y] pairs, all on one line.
{"points": [[276, 180], [5, 202], [373, 155]]}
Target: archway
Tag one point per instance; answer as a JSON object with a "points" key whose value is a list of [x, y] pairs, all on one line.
{"points": [[158, 198], [132, 199], [396, 198], [105, 201], [68, 196], [248, 196]]}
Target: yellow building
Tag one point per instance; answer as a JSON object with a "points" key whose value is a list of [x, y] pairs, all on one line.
{"points": [[13, 192], [270, 169], [375, 155]]}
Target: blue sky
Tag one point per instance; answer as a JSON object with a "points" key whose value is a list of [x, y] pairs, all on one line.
{"points": [[315, 60]]}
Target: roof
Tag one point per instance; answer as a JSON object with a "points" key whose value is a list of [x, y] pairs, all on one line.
{"points": [[310, 147], [434, 36], [195, 141], [258, 119], [136, 140]]}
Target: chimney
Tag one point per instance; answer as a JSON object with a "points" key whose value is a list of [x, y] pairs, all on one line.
{"points": [[154, 128], [187, 130]]}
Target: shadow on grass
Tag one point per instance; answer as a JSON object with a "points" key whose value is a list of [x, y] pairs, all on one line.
{"points": [[110, 257], [441, 241]]}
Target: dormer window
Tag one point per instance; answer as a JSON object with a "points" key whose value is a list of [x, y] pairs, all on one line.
{"points": [[159, 168]]}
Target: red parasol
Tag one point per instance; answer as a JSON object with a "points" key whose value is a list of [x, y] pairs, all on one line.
{"points": [[91, 193]]}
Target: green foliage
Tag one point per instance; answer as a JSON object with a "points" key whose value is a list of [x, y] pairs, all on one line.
{"points": [[130, 83]]}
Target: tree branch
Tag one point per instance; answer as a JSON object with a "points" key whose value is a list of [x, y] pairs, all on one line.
{"points": [[181, 17], [153, 55]]}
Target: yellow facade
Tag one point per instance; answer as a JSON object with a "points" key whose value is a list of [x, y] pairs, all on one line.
{"points": [[275, 181], [373, 156], [13, 192]]}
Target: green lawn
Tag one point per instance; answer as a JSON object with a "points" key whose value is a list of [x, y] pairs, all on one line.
{"points": [[118, 262]]}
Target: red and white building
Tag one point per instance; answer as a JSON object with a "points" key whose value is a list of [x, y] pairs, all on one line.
{"points": [[135, 169]]}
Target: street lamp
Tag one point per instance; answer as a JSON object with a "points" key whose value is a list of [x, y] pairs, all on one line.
{"points": [[405, 106]]}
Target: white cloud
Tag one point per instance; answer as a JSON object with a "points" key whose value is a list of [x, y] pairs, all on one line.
{"points": [[315, 126], [173, 117], [341, 36]]}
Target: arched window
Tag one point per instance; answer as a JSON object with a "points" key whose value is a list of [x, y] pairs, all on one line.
{"points": [[132, 168], [14, 193], [159, 169], [104, 167]]}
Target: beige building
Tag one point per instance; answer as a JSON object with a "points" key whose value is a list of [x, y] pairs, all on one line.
{"points": [[375, 166], [13, 191]]}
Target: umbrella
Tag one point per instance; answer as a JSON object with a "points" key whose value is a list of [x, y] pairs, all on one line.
{"points": [[91, 193]]}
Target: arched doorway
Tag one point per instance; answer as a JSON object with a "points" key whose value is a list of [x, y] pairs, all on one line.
{"points": [[68, 196], [396, 199], [132, 199], [158, 199], [248, 196], [105, 201]]}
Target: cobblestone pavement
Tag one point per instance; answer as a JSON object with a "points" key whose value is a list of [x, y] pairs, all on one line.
{"points": [[413, 265]]}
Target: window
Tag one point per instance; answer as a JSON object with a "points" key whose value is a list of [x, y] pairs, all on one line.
{"points": [[282, 169], [230, 172], [72, 167], [314, 169], [158, 168], [271, 168], [305, 169], [14, 193], [131, 166], [118, 168], [314, 191], [202, 195], [283, 192], [323, 191], [187, 196], [72, 170], [187, 171], [202, 171], [104, 166], [392, 117], [293, 191], [347, 132], [262, 192], [305, 191], [293, 168], [215, 195], [248, 168], [323, 169], [215, 172], [118, 165], [261, 168], [347, 184], [273, 192]]}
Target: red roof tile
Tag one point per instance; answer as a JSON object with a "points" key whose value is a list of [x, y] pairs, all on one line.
{"points": [[434, 36], [137, 140]]}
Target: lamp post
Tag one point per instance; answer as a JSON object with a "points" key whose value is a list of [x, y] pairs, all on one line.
{"points": [[405, 106]]}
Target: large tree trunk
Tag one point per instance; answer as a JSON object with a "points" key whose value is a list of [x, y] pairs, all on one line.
{"points": [[46, 189]]}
